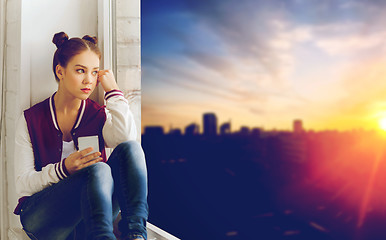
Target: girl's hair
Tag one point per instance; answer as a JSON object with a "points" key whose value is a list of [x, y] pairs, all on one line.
{"points": [[68, 48]]}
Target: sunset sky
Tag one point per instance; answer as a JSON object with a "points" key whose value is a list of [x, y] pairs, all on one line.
{"points": [[264, 63]]}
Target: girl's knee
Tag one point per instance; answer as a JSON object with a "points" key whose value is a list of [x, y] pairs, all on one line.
{"points": [[99, 178], [129, 146], [131, 152], [131, 149], [99, 170]]}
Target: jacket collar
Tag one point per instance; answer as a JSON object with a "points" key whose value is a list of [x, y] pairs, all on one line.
{"points": [[53, 113]]}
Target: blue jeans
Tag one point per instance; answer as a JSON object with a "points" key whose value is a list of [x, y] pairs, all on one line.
{"points": [[90, 199]]}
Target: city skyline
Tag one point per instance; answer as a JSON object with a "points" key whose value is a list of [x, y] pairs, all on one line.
{"points": [[225, 127], [293, 184], [264, 62]]}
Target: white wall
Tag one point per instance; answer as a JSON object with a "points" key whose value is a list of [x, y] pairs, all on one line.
{"points": [[12, 106], [3, 206], [128, 54], [40, 20]]}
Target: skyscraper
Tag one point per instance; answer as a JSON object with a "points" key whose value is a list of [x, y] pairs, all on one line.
{"points": [[298, 126], [210, 124]]}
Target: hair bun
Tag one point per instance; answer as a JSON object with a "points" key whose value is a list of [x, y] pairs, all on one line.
{"points": [[90, 39], [59, 39]]}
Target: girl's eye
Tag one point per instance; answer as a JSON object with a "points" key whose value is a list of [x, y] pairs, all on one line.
{"points": [[95, 73], [80, 71]]}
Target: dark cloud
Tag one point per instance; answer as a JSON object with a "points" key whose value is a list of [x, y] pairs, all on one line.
{"points": [[195, 81], [244, 29], [213, 62]]}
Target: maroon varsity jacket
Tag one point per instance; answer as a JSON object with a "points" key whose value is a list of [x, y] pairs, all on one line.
{"points": [[46, 137]]}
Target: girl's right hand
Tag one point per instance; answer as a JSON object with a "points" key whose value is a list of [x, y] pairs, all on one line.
{"points": [[107, 79], [79, 160]]}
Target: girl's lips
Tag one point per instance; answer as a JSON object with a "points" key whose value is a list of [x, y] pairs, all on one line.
{"points": [[86, 90]]}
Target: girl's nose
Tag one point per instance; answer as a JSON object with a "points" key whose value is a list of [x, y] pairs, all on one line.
{"points": [[88, 79]]}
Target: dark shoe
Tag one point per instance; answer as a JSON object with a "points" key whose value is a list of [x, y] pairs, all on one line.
{"points": [[134, 237]]}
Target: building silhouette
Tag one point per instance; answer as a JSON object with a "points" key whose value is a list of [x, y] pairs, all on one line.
{"points": [[210, 124], [225, 128], [298, 126], [154, 130], [192, 130], [175, 132], [244, 131], [256, 132]]}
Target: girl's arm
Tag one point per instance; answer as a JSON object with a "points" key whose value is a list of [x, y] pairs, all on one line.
{"points": [[120, 125], [28, 180]]}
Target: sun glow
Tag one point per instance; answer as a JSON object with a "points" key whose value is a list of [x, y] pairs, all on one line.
{"points": [[382, 123]]}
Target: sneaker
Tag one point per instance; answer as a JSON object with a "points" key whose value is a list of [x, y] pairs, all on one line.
{"points": [[134, 237]]}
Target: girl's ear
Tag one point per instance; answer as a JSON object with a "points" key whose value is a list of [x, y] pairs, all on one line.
{"points": [[59, 71]]}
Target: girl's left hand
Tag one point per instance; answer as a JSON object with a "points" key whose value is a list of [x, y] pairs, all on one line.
{"points": [[107, 79]]}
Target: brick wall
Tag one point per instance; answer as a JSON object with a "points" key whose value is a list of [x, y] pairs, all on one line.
{"points": [[14, 101], [3, 208], [128, 51]]}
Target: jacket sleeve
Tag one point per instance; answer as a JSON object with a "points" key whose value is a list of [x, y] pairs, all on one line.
{"points": [[27, 180], [120, 125]]}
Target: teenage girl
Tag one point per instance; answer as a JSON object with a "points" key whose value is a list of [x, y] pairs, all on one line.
{"points": [[67, 192]]}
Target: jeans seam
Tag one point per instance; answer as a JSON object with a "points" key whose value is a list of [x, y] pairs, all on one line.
{"points": [[123, 186], [120, 155], [89, 207], [30, 235]]}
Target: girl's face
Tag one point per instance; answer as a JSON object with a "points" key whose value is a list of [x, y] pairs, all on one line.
{"points": [[79, 77]]}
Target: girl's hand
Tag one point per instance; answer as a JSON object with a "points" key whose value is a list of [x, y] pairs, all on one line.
{"points": [[79, 160], [107, 79]]}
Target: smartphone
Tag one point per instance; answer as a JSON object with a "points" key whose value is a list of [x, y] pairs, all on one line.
{"points": [[89, 141]]}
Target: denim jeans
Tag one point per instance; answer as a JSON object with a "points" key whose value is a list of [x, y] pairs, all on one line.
{"points": [[90, 199]]}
